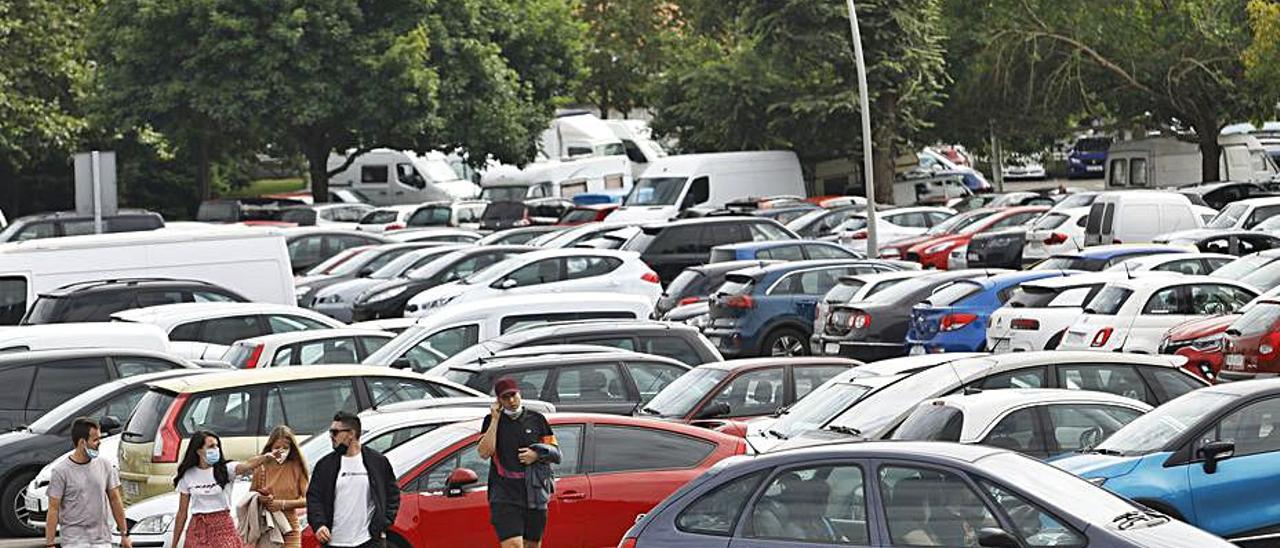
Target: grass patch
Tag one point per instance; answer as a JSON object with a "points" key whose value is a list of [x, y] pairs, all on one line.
{"points": [[269, 186]]}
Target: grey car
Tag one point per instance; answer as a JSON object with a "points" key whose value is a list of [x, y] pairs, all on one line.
{"points": [[901, 494], [338, 299]]}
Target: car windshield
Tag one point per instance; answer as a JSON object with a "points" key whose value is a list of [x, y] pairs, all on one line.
{"points": [[820, 406], [1093, 144], [1241, 268], [679, 397], [431, 216], [62, 412], [655, 191], [900, 291], [1031, 296], [844, 291], [1154, 431], [334, 263], [1229, 216], [931, 421], [1071, 262], [504, 193], [954, 224], [1084, 199], [1270, 224], [1259, 319], [1108, 301], [876, 412], [805, 219]]}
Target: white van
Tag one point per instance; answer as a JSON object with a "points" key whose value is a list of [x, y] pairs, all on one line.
{"points": [[1168, 162], [557, 179], [253, 262], [437, 337], [391, 177], [60, 336], [676, 183], [1138, 216]]}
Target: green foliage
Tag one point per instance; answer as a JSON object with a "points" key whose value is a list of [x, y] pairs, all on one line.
{"points": [[629, 44], [1260, 58]]}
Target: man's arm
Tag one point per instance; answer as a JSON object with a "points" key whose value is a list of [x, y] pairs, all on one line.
{"points": [[117, 510], [51, 521], [317, 515], [489, 441], [392, 490]]}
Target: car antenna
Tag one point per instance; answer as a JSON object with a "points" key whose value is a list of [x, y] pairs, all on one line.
{"points": [[1127, 272]]}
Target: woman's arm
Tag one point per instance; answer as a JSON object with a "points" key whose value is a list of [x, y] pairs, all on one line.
{"points": [[180, 519], [302, 484], [247, 465]]}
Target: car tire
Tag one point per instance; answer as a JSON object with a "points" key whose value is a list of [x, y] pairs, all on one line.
{"points": [[12, 509], [785, 341]]}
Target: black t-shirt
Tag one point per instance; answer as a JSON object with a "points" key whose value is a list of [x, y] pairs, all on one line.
{"points": [[530, 428]]}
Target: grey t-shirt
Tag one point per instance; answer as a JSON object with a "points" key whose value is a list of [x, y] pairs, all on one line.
{"points": [[85, 509]]}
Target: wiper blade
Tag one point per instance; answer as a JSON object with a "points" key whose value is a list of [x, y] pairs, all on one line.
{"points": [[1098, 451], [842, 429]]}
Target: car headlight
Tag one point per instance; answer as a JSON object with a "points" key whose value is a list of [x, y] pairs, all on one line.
{"points": [[158, 524], [387, 294], [938, 248], [1208, 343]]}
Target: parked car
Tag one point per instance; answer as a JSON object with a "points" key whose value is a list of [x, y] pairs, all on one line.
{"points": [[1088, 157], [1134, 314], [741, 389], [309, 247], [61, 336], [1200, 341], [386, 218], [783, 250], [1219, 194], [338, 300], [564, 271], [900, 494], [1041, 423], [671, 340], [517, 236], [339, 215], [856, 288], [1260, 270], [233, 405], [954, 318], [1038, 312], [1230, 242], [1251, 342], [582, 214], [1207, 458], [97, 301], [891, 226], [460, 213], [500, 215], [24, 450], [390, 298], [1057, 232], [205, 330], [816, 223], [353, 263], [769, 311], [1138, 216], [578, 236], [696, 283], [315, 346], [70, 223], [1020, 167], [669, 248], [952, 225], [1194, 264], [241, 210], [937, 252], [1248, 213], [996, 249], [1099, 258]]}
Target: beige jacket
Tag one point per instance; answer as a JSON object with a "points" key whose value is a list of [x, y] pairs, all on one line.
{"points": [[258, 526]]}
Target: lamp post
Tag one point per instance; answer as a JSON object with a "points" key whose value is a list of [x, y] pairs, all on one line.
{"points": [[869, 179]]}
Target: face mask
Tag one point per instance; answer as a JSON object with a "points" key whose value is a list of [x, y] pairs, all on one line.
{"points": [[513, 413], [284, 455], [340, 449], [212, 455], [93, 453]]}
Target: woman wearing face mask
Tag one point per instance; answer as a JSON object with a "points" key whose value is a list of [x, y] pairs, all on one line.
{"points": [[281, 482], [204, 483]]}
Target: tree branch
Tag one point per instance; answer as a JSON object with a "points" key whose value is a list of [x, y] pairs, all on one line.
{"points": [[351, 159]]}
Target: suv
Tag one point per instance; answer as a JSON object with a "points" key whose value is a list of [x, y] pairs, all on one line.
{"points": [[672, 340], [96, 301], [671, 247], [70, 223]]}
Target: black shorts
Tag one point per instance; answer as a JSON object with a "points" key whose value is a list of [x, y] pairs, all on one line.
{"points": [[511, 521]]}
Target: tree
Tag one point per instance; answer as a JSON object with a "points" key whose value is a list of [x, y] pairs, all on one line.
{"points": [[627, 46]]}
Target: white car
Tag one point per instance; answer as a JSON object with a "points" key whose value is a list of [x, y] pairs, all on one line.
{"points": [[386, 219], [571, 270], [891, 225], [575, 235], [310, 347], [1195, 264], [1038, 312], [1042, 423], [1023, 167], [1058, 231], [345, 216], [205, 330], [1132, 315], [435, 234], [1247, 214], [461, 214]]}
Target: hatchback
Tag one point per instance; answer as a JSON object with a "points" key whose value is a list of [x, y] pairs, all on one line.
{"points": [[97, 301], [311, 347], [955, 317], [798, 250], [742, 389], [696, 283], [1251, 347], [1037, 313]]}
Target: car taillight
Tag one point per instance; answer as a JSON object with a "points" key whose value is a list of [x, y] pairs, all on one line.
{"points": [[1025, 324], [628, 542], [859, 235], [165, 447], [689, 300], [252, 362], [957, 320], [1269, 344], [1055, 238], [1101, 337], [860, 320], [651, 277], [739, 301], [1114, 241], [394, 226]]}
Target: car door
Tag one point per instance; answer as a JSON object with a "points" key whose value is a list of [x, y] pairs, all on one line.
{"points": [[597, 387], [1239, 495], [15, 390], [810, 505], [1164, 309]]}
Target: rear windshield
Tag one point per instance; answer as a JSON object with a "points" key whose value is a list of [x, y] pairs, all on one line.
{"points": [[145, 420], [844, 291], [303, 217], [736, 284], [218, 212], [954, 293], [689, 283], [1108, 301], [238, 354], [431, 216], [1050, 221], [504, 210], [1260, 319], [579, 216], [1093, 145], [1030, 296], [1068, 262], [722, 255], [931, 422], [379, 217]]}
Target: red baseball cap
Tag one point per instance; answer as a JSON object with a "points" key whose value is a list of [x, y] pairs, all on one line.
{"points": [[505, 386]]}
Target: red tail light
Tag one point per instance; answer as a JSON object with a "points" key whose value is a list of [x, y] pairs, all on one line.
{"points": [[165, 447], [689, 300], [957, 320], [627, 543], [394, 226], [739, 301], [252, 362], [1116, 241], [1055, 238], [859, 235], [860, 320], [1101, 337], [1269, 344], [651, 278], [1025, 324]]}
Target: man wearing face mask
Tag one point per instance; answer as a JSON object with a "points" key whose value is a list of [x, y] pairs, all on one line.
{"points": [[353, 497], [514, 440], [81, 489]]}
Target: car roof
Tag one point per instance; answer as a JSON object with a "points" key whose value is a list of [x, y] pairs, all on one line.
{"points": [[746, 364], [316, 334], [30, 356], [653, 228], [565, 359], [169, 314], [1156, 281], [729, 266], [923, 450], [873, 277], [574, 327], [1161, 258], [1076, 280], [768, 244], [1249, 388], [897, 366], [791, 266], [62, 215], [1114, 250], [106, 285], [981, 408], [299, 231], [269, 375]]}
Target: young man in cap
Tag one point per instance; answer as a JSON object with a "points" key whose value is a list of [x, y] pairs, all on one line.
{"points": [[510, 431]]}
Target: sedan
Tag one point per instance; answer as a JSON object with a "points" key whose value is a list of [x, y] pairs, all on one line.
{"points": [[741, 389], [901, 494]]}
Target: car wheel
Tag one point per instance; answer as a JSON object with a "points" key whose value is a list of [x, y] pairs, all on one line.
{"points": [[786, 342], [13, 507]]}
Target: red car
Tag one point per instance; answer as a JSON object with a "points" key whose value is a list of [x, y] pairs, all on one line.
{"points": [[1200, 341], [614, 469], [935, 252], [586, 214], [1251, 347], [898, 248]]}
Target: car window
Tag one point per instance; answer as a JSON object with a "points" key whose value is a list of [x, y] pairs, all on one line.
{"points": [[1076, 427], [158, 297], [716, 512], [1017, 219], [576, 268], [810, 282], [1017, 431], [287, 323], [781, 253], [374, 174], [538, 272], [809, 377], [120, 405], [629, 448], [96, 307], [671, 347], [36, 231], [372, 344], [651, 378], [764, 231], [1214, 299], [128, 366], [1035, 526], [59, 381], [306, 251], [387, 441], [1021, 378], [212, 297], [441, 345], [15, 387], [679, 239], [467, 457], [1121, 380], [225, 331], [753, 393], [714, 234], [1166, 301], [825, 504], [338, 350], [1254, 428], [1191, 267], [1072, 298], [228, 413], [928, 507], [388, 390], [13, 299], [826, 252], [1174, 383], [590, 383], [308, 406], [911, 220]]}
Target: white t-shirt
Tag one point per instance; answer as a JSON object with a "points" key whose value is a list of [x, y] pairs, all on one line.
{"points": [[351, 509], [206, 497]]}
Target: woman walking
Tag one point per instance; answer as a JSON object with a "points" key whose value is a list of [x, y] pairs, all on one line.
{"points": [[281, 482], [204, 483]]}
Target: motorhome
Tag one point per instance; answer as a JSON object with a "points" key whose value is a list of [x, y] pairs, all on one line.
{"points": [[674, 184], [557, 179], [251, 261], [393, 177], [1168, 162]]}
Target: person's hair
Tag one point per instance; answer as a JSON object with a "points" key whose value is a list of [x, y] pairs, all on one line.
{"points": [[191, 459], [349, 420], [283, 432], [81, 428]]}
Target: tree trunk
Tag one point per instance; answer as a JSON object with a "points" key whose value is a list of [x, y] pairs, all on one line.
{"points": [[882, 162], [1210, 152], [204, 170], [317, 153]]}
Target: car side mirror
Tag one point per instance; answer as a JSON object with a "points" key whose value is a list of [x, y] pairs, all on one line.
{"points": [[458, 479], [713, 410], [110, 424], [507, 284], [995, 537], [402, 363], [1215, 451]]}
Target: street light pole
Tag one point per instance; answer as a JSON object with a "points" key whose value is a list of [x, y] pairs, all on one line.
{"points": [[873, 250]]}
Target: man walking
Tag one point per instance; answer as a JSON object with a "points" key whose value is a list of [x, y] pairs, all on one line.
{"points": [[515, 440], [81, 489], [353, 497]]}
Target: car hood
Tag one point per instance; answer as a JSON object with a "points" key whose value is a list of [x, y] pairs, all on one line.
{"points": [[1201, 327], [1094, 465], [451, 289], [1170, 534], [348, 289], [313, 280], [926, 244]]}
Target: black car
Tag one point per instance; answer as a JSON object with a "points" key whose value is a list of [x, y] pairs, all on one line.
{"points": [[671, 340], [24, 451], [876, 328], [816, 223], [605, 382], [669, 248], [1230, 242], [245, 209], [97, 301], [309, 247], [537, 211], [997, 249], [70, 223], [388, 299], [1218, 195], [695, 284], [360, 266]]}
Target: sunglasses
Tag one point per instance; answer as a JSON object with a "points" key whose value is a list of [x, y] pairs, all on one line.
{"points": [[333, 432]]}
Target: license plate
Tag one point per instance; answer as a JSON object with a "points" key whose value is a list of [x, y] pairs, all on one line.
{"points": [[1234, 361], [831, 349], [131, 487], [1093, 168], [916, 350]]}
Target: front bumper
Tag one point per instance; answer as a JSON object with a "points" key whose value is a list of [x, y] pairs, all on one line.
{"points": [[342, 312]]}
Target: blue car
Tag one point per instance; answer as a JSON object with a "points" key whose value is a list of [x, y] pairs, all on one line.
{"points": [[1088, 158], [1209, 458], [769, 310], [781, 250], [954, 318], [901, 494], [1101, 257]]}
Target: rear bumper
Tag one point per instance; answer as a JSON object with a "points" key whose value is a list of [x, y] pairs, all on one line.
{"points": [[732, 343], [858, 350]]}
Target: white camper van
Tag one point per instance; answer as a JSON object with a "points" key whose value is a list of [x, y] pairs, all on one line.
{"points": [[253, 262], [1138, 216], [1168, 162], [676, 183], [392, 177], [557, 179]]}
